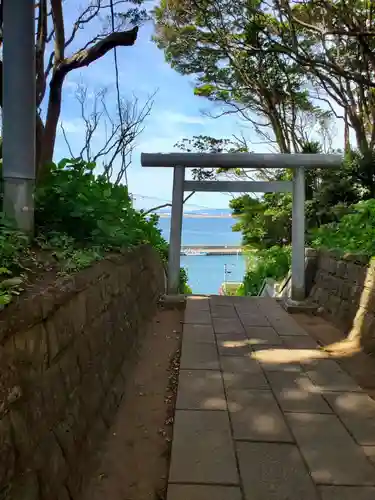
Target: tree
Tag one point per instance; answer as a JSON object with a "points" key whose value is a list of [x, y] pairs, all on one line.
{"points": [[210, 38], [117, 137], [333, 41], [275, 58], [55, 60]]}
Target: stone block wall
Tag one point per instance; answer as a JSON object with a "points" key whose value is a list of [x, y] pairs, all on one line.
{"points": [[65, 353], [344, 288]]}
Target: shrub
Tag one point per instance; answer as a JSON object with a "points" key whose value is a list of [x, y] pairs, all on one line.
{"points": [[184, 287], [354, 232], [271, 263], [78, 217], [91, 210]]}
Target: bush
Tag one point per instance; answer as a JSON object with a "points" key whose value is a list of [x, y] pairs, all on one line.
{"points": [[184, 287], [78, 217], [354, 232], [271, 263], [91, 210]]}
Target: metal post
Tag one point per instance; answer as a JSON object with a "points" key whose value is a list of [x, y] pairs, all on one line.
{"points": [[298, 236], [176, 229], [19, 111]]}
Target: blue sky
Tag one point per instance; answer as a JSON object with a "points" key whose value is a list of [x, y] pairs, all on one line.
{"points": [[176, 113]]}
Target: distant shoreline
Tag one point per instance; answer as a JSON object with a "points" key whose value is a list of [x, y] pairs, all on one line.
{"points": [[199, 216]]}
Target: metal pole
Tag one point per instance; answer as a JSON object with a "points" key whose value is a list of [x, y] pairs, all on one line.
{"points": [[298, 236], [176, 229], [19, 111]]}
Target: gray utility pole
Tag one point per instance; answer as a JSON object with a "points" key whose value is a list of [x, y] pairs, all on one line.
{"points": [[19, 111]]}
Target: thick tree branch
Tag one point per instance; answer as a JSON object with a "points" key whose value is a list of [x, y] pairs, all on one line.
{"points": [[58, 24], [87, 56]]}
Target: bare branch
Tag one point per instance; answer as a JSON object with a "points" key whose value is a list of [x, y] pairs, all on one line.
{"points": [[165, 205], [66, 141], [109, 142]]}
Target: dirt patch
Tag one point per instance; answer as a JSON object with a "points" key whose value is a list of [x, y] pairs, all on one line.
{"points": [[135, 460], [358, 364]]}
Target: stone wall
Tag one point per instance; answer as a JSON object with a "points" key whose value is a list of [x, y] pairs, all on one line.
{"points": [[344, 289], [66, 351]]}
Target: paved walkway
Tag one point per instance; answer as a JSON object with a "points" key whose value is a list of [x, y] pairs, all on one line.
{"points": [[262, 414]]}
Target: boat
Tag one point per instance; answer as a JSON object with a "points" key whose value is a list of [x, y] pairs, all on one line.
{"points": [[191, 252]]}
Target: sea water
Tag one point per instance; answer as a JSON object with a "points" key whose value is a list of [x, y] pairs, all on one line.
{"points": [[207, 272]]}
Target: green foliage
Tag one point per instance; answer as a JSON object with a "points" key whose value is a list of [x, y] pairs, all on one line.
{"points": [[354, 233], [13, 245], [263, 223], [79, 216], [184, 287], [232, 49], [270, 60], [91, 210], [271, 263], [68, 254]]}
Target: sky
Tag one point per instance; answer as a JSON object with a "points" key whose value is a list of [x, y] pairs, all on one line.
{"points": [[176, 112]]}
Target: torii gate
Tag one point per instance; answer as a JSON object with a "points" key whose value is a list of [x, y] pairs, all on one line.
{"points": [[298, 162]]}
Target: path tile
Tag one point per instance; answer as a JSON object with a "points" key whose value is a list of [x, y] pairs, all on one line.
{"points": [[279, 319], [237, 364], [198, 333], [225, 325], [197, 303], [263, 335], [199, 356], [347, 492], [271, 471], [275, 358], [245, 380], [228, 345], [253, 319], [200, 390], [247, 305], [331, 454], [199, 492], [357, 412], [224, 311], [256, 416], [299, 342], [202, 449], [290, 380], [283, 367], [370, 453], [201, 317], [301, 401], [328, 376], [231, 337], [296, 393], [221, 300], [286, 326], [242, 373]]}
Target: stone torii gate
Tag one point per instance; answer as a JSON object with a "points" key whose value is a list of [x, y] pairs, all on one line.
{"points": [[298, 162]]}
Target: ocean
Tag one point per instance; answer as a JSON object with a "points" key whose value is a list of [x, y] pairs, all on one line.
{"points": [[206, 272]]}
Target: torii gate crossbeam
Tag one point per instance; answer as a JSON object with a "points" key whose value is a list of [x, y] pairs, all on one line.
{"points": [[298, 162]]}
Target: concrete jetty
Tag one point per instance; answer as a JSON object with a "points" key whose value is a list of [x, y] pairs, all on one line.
{"points": [[211, 250]]}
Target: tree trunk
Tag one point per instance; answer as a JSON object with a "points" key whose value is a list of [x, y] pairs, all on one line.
{"points": [[48, 139]]}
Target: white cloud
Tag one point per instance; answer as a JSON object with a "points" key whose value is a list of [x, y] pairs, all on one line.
{"points": [[183, 119], [71, 126]]}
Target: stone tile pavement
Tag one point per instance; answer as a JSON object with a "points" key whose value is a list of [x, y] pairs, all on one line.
{"points": [[262, 413]]}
